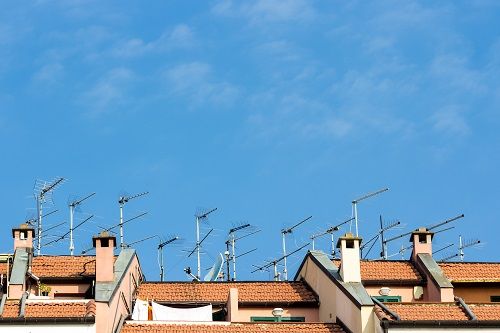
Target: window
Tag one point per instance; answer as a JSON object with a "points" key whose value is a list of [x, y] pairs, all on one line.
{"points": [[388, 299], [275, 319], [494, 298]]}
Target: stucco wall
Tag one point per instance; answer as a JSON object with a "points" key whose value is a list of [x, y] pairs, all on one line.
{"points": [[476, 294], [406, 293], [310, 314]]}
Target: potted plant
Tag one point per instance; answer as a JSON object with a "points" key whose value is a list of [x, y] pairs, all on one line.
{"points": [[44, 289]]}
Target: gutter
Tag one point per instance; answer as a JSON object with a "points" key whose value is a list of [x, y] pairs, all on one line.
{"points": [[386, 324], [47, 320], [22, 308]]}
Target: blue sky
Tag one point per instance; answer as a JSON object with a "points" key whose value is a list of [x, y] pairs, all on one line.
{"points": [[269, 110]]}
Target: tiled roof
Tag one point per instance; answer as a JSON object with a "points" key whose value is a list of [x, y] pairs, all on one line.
{"points": [[471, 271], [486, 311], [3, 268], [387, 270], [63, 266], [130, 327], [50, 309], [427, 311], [217, 292]]}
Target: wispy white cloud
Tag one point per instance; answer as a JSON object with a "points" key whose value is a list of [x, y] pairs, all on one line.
{"points": [[197, 83], [48, 75], [108, 92], [450, 121], [181, 36], [267, 11]]}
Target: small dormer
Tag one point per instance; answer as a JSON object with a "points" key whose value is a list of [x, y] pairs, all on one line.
{"points": [[422, 242], [349, 258], [23, 236], [104, 244]]}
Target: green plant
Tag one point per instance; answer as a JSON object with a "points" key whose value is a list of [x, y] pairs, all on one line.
{"points": [[44, 289]]}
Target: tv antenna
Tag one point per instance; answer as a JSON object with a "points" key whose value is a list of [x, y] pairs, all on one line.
{"points": [[275, 262], [355, 206], [43, 192], [67, 233], [379, 234], [200, 218], [74, 204], [230, 245], [462, 245], [122, 200], [285, 232], [428, 228], [160, 253], [330, 231]]}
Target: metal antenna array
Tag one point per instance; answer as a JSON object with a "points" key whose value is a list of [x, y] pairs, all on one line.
{"points": [[284, 232], [200, 218], [122, 201], [379, 234], [230, 245], [429, 228], [462, 245], [72, 207], [43, 192], [160, 253], [275, 262], [355, 205], [330, 231], [67, 233]]}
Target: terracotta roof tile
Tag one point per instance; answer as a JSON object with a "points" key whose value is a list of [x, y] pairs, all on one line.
{"points": [[486, 311], [471, 271], [428, 311], [50, 309], [131, 327], [217, 292], [390, 270], [63, 266]]}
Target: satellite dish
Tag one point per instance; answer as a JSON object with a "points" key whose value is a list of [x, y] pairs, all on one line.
{"points": [[214, 272]]}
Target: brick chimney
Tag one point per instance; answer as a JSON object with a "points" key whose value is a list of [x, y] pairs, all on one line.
{"points": [[104, 245], [23, 236], [422, 242], [350, 270]]}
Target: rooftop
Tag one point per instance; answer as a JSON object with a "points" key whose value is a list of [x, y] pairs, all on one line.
{"points": [[217, 292], [428, 311], [63, 266], [51, 309], [471, 271], [131, 327], [373, 271], [486, 311]]}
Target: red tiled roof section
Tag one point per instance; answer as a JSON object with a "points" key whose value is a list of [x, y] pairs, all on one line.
{"points": [[3, 268], [471, 271], [428, 311], [232, 328], [217, 292], [50, 309], [64, 266], [486, 311], [380, 270]]}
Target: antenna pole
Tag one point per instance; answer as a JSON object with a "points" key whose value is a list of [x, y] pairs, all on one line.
{"points": [[122, 244], [227, 262], [161, 263], [276, 274], [39, 199], [234, 258], [285, 271], [461, 247], [355, 206], [71, 244], [198, 246]]}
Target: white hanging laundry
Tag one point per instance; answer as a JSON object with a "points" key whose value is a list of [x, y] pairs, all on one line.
{"points": [[140, 311], [167, 313]]}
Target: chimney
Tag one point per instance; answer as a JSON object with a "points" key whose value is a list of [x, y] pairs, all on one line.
{"points": [[422, 242], [104, 245], [23, 236], [350, 270]]}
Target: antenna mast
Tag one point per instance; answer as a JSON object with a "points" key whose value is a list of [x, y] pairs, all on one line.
{"points": [[199, 218], [275, 262], [355, 205], [122, 201], [284, 232], [330, 231], [44, 190], [160, 252], [72, 207]]}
